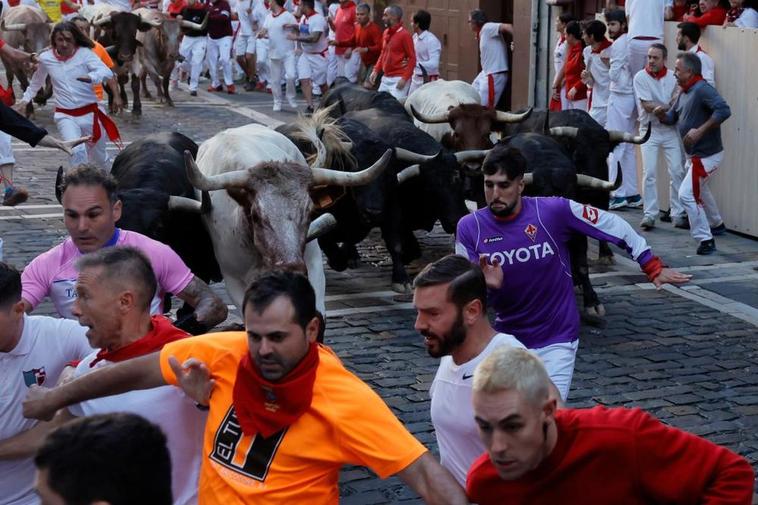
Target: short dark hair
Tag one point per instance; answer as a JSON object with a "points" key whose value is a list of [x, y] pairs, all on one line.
{"points": [[566, 18], [10, 285], [90, 175], [309, 3], [80, 38], [691, 61], [479, 17], [119, 458], [423, 19], [574, 29], [615, 15], [690, 30], [508, 160], [466, 279], [660, 47], [271, 285], [124, 264], [595, 30]]}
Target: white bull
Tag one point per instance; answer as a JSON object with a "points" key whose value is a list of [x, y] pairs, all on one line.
{"points": [[260, 204]]}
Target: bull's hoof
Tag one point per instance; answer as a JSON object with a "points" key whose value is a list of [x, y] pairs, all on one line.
{"points": [[337, 264], [353, 263], [137, 112], [594, 316], [402, 288], [170, 102]]}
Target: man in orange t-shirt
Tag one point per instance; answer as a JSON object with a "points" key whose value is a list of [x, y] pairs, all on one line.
{"points": [[284, 414], [118, 104]]}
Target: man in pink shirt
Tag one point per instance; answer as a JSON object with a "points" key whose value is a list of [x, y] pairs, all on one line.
{"points": [[91, 209]]}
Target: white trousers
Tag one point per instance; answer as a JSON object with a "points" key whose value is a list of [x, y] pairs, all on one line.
{"points": [[559, 362], [599, 114], [283, 67], [348, 67], [577, 104], [312, 66], [666, 139], [6, 151], [638, 54], [331, 66], [416, 82], [621, 118], [490, 85], [702, 217], [193, 51], [220, 52], [389, 84], [261, 49], [71, 127]]}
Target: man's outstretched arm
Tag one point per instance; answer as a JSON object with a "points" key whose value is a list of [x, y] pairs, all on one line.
{"points": [[432, 481]]}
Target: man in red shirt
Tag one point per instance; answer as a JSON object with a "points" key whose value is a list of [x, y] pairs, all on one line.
{"points": [[366, 41], [538, 454], [576, 90], [398, 57], [711, 14], [343, 24]]}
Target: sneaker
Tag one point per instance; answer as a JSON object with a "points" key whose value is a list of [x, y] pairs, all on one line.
{"points": [[634, 202], [718, 230], [682, 222], [277, 107], [249, 86], [211, 89], [664, 216], [647, 223], [14, 196], [292, 103], [230, 89], [618, 202], [706, 247], [193, 93]]}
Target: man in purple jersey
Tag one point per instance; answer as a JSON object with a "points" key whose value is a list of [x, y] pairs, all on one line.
{"points": [[521, 244]]}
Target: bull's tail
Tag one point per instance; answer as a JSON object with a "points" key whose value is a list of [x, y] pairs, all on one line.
{"points": [[619, 177]]}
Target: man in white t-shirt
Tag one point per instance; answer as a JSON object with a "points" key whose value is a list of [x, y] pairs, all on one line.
{"points": [[260, 12], [492, 79], [656, 86], [281, 52], [91, 209], [645, 18], [450, 296], [597, 62], [245, 43], [428, 51], [33, 350], [688, 39], [312, 62]]}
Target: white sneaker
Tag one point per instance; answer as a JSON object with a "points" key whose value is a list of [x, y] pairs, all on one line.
{"points": [[293, 103], [277, 107]]}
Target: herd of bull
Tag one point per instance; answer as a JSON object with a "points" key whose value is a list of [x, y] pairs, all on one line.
{"points": [[253, 198]]}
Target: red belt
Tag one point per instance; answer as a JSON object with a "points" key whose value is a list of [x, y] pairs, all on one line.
{"points": [[99, 117], [698, 172], [644, 37]]}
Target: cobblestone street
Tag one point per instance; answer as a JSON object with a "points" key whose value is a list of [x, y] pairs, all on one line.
{"points": [[688, 355]]}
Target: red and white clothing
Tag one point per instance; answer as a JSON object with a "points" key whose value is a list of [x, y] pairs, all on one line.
{"points": [[715, 16], [71, 94], [707, 67], [219, 48], [344, 30], [397, 61], [428, 51], [68, 12], [659, 89], [452, 413], [572, 75], [597, 63], [312, 63], [194, 43], [260, 13], [45, 346], [620, 456], [53, 273], [491, 81], [621, 108], [559, 60], [645, 20], [281, 55]]}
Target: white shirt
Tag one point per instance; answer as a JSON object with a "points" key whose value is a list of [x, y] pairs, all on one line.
{"points": [[646, 17], [452, 413], [559, 55], [492, 49], [176, 414], [707, 67], [620, 76], [313, 24], [278, 44], [69, 93], [428, 51], [649, 89], [600, 75], [748, 19], [46, 345], [259, 14], [240, 7]]}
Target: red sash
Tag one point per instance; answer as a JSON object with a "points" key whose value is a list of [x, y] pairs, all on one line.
{"points": [[162, 333], [100, 117], [698, 172], [6, 95]]}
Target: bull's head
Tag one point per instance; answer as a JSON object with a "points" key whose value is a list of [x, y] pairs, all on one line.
{"points": [[36, 35], [124, 27], [277, 204]]}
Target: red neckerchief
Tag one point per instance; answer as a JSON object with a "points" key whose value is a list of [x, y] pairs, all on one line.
{"points": [[98, 117], [695, 79], [162, 333], [656, 75], [61, 58], [265, 407], [561, 39], [603, 46], [734, 13]]}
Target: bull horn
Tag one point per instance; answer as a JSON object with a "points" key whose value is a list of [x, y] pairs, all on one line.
{"points": [[148, 20], [528, 178], [510, 117], [238, 178], [189, 24], [618, 136], [408, 173], [564, 131], [13, 27], [184, 204], [593, 182], [474, 155], [321, 225], [325, 176], [429, 119], [102, 21], [405, 155]]}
